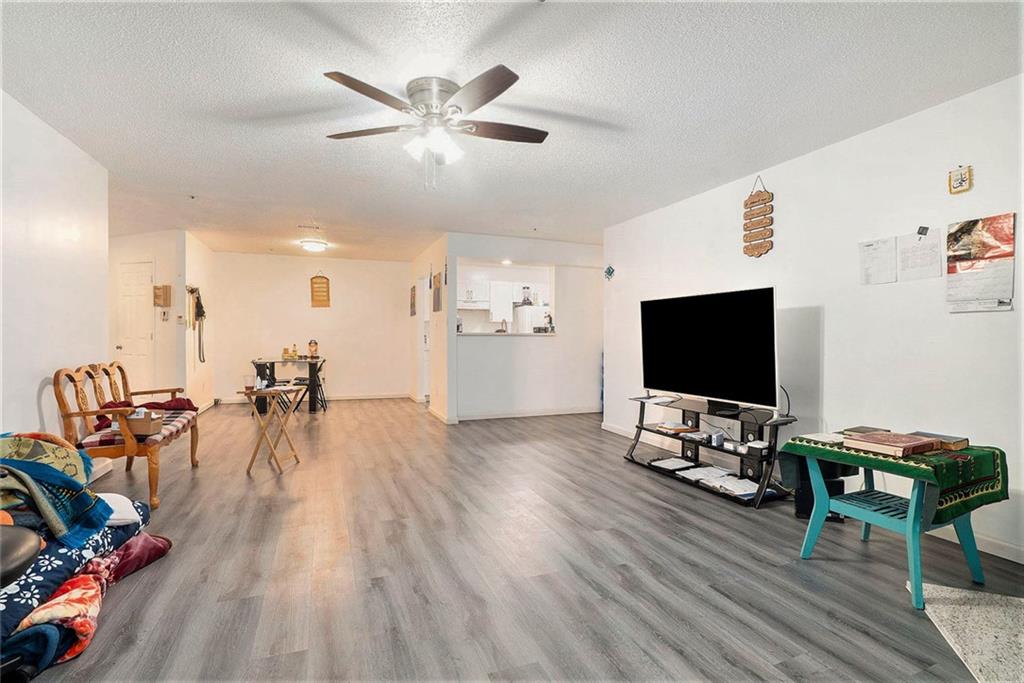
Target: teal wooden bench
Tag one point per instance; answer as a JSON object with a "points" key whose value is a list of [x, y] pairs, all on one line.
{"points": [[903, 515], [977, 477]]}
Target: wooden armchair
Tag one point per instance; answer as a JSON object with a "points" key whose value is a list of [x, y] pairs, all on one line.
{"points": [[113, 442]]}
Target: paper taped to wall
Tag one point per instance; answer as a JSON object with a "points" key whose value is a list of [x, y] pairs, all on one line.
{"points": [[979, 264], [920, 256], [878, 261]]}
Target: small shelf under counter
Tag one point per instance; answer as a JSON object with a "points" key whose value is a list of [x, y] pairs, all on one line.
{"points": [[505, 334], [473, 304]]}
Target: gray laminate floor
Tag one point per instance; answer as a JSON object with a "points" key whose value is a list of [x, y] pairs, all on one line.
{"points": [[505, 549]]}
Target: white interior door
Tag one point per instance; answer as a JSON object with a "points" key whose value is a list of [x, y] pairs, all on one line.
{"points": [[136, 321]]}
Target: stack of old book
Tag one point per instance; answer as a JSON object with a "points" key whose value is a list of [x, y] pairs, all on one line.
{"points": [[878, 440], [675, 428]]}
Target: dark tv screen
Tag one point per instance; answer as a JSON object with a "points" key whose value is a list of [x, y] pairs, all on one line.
{"points": [[713, 346]]}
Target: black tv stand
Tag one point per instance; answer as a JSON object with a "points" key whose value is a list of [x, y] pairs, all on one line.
{"points": [[757, 424]]}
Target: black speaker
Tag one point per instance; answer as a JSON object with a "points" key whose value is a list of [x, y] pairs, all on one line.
{"points": [[691, 419], [690, 450], [752, 431], [751, 468], [803, 499]]}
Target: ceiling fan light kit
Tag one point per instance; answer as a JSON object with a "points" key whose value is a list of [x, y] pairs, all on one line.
{"points": [[438, 106], [438, 143], [313, 244]]}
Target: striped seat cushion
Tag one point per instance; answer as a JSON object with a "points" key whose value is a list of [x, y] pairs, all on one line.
{"points": [[176, 422]]}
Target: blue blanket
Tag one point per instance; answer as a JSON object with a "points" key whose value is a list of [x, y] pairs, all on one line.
{"points": [[56, 564], [51, 477]]}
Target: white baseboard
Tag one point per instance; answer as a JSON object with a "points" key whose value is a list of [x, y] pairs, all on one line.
{"points": [[417, 399], [365, 397], [532, 413], [987, 544], [608, 427], [347, 397], [206, 406], [442, 418], [100, 468], [650, 439]]}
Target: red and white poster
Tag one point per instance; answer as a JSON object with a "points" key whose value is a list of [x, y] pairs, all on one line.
{"points": [[979, 264]]}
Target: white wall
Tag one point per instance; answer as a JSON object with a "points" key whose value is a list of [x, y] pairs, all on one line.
{"points": [[888, 355], [54, 265], [165, 249], [442, 328], [199, 271], [505, 376], [523, 250], [509, 376], [260, 303]]}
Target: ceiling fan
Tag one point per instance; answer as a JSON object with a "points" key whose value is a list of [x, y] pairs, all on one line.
{"points": [[438, 105]]}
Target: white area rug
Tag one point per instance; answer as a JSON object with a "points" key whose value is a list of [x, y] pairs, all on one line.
{"points": [[986, 630]]}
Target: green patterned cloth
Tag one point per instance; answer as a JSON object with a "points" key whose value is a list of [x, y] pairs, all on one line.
{"points": [[966, 479]]}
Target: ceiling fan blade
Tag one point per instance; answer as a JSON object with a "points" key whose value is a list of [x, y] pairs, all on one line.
{"points": [[368, 131], [503, 131], [611, 121], [368, 90], [483, 89]]}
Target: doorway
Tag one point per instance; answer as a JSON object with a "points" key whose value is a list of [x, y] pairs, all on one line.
{"points": [[136, 322]]}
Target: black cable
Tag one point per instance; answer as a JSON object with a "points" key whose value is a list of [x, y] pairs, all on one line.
{"points": [[720, 427], [788, 402]]}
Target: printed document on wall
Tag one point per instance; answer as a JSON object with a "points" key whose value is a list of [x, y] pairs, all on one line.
{"points": [[979, 264], [920, 256], [878, 261]]}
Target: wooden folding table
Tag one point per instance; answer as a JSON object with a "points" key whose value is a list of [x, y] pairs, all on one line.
{"points": [[274, 411]]}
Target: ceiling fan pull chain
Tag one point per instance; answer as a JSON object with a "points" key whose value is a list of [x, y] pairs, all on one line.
{"points": [[429, 170]]}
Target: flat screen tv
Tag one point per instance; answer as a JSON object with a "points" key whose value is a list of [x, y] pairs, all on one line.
{"points": [[713, 346]]}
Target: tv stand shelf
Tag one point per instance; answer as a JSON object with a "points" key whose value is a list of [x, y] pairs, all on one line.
{"points": [[757, 424]]}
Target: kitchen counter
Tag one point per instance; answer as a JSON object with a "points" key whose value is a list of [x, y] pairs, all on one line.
{"points": [[506, 334]]}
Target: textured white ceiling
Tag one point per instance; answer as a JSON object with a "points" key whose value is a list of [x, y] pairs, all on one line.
{"points": [[646, 104]]}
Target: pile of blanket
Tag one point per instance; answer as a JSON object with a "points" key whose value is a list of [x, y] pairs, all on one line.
{"points": [[174, 404], [89, 541]]}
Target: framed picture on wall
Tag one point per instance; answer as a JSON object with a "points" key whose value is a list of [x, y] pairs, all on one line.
{"points": [[412, 301], [437, 292]]}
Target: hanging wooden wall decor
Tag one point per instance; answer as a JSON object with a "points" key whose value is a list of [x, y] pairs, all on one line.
{"points": [[319, 291], [757, 221]]}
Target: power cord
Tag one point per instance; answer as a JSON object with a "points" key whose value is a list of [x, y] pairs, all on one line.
{"points": [[789, 403], [719, 428]]}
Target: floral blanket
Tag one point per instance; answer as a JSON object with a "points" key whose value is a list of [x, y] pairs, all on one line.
{"points": [[56, 564], [63, 627]]}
